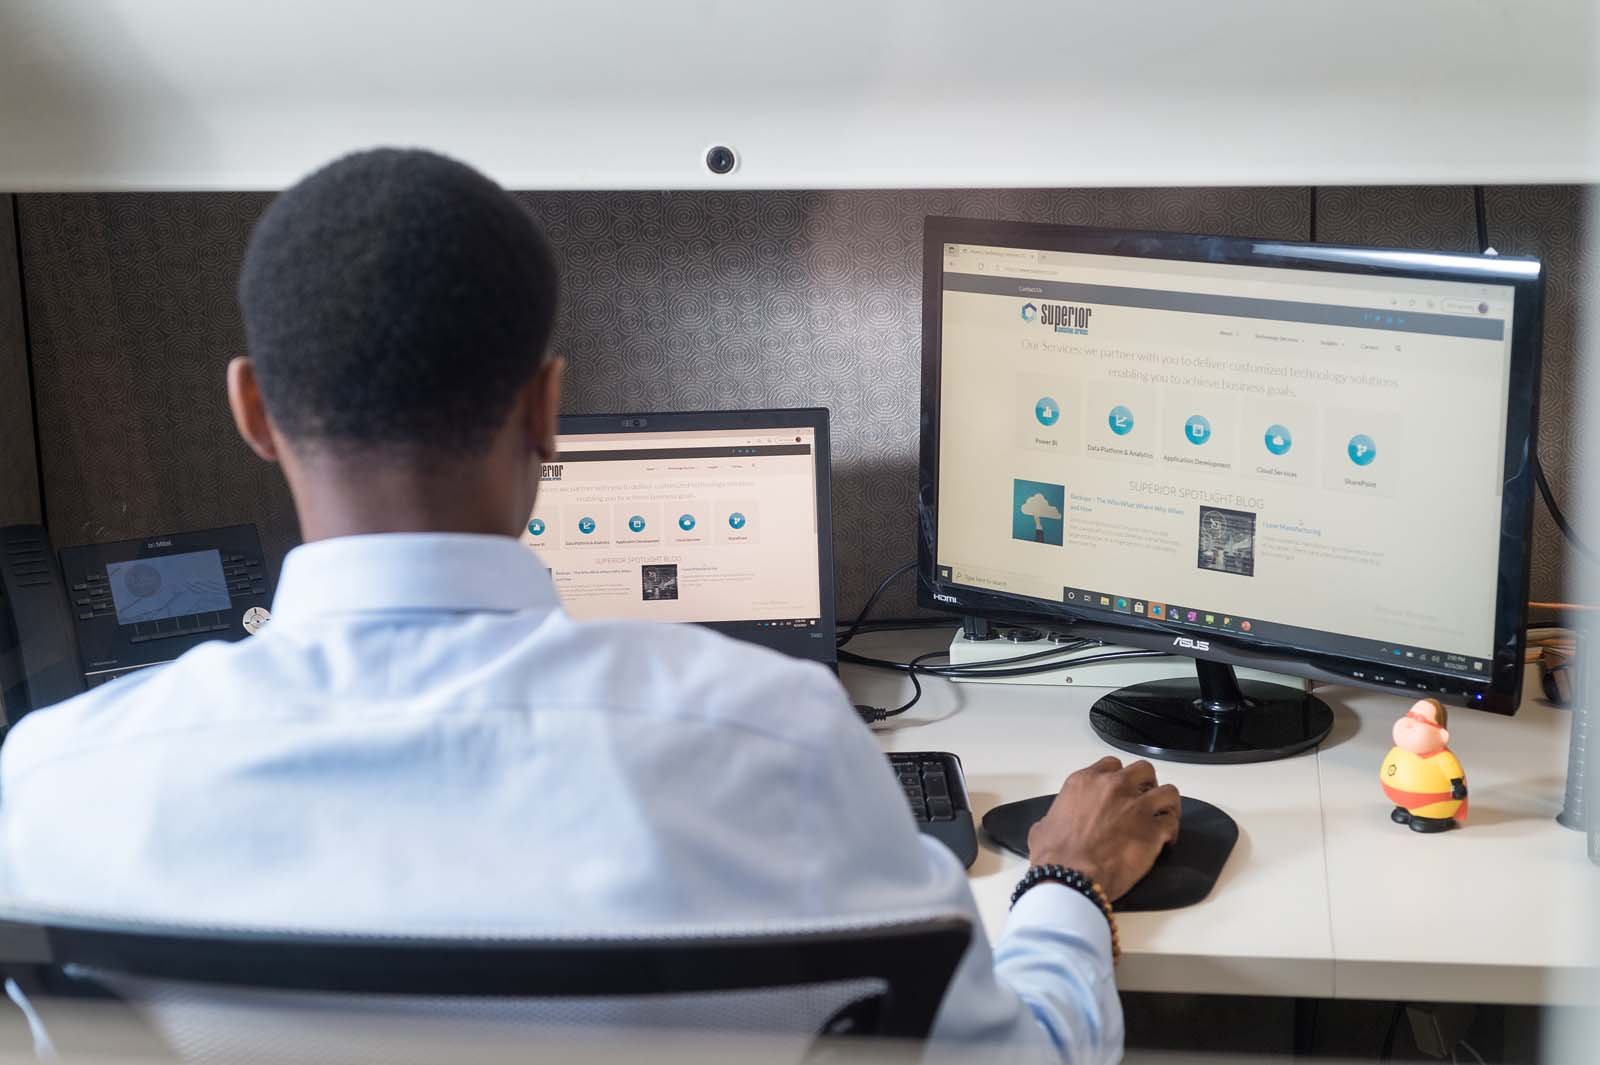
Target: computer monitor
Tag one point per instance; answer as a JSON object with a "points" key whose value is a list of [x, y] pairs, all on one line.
{"points": [[1304, 458], [721, 518]]}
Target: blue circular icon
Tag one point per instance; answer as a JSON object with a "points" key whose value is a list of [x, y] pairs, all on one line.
{"points": [[636, 524], [1362, 449], [1278, 439], [1121, 420], [586, 525], [686, 522], [736, 520], [536, 527], [1048, 411], [1197, 430]]}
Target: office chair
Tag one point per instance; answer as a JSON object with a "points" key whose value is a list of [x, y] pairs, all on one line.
{"points": [[233, 995]]}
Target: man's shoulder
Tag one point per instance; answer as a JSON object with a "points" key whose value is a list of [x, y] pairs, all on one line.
{"points": [[691, 671], [160, 698]]}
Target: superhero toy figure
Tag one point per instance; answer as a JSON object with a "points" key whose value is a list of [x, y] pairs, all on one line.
{"points": [[1420, 776]]}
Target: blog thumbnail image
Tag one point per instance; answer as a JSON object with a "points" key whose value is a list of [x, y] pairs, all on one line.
{"points": [[1228, 541], [1036, 512], [660, 582]]}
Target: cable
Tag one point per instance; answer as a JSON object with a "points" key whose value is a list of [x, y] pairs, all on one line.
{"points": [[873, 714], [1574, 608], [1065, 647], [898, 624], [872, 600], [1555, 511], [1387, 1052], [860, 623], [1470, 1049], [1480, 215]]}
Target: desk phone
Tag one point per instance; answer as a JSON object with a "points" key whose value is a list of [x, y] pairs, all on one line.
{"points": [[100, 611]]}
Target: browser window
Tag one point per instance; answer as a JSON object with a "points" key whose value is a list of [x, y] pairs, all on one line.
{"points": [[1295, 452], [696, 526]]}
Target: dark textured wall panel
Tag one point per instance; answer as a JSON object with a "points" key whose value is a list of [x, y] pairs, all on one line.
{"points": [[1550, 222], [673, 300], [686, 300], [133, 322], [1388, 217], [19, 480], [1544, 221]]}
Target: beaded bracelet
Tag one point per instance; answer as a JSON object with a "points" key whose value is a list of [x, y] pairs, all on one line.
{"points": [[1078, 882]]}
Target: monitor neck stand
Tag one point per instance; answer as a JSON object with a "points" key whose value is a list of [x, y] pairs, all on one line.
{"points": [[1213, 717]]}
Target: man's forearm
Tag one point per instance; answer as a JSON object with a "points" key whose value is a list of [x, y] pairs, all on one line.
{"points": [[1056, 956]]}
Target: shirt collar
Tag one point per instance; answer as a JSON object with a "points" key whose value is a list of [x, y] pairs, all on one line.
{"points": [[411, 571]]}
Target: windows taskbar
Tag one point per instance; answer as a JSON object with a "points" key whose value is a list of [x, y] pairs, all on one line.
{"points": [[1403, 655]]}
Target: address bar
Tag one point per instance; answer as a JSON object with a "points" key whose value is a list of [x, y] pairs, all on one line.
{"points": [[989, 263]]}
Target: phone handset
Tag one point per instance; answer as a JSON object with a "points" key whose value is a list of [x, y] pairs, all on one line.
{"points": [[39, 660]]}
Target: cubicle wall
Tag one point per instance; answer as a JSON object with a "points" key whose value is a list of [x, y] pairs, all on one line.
{"points": [[19, 482], [673, 300]]}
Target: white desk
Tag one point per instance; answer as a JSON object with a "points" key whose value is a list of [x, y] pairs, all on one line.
{"points": [[1321, 895]]}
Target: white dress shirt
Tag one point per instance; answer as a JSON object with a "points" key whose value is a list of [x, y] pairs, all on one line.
{"points": [[423, 741]]}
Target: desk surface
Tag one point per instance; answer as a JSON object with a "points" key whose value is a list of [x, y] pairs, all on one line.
{"points": [[1324, 896]]}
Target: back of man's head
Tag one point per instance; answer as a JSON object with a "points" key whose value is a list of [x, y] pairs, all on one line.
{"points": [[395, 300]]}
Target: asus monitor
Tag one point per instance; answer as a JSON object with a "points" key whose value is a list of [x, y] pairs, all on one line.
{"points": [[1309, 459]]}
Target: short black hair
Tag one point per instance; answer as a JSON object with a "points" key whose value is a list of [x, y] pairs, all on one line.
{"points": [[396, 297]]}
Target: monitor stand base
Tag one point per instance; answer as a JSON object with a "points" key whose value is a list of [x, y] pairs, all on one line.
{"points": [[1211, 718]]}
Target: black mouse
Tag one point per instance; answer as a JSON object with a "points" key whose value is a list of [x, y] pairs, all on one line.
{"points": [[1183, 875]]}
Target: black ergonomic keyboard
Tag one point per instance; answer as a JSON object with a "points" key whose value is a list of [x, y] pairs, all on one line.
{"points": [[937, 792]]}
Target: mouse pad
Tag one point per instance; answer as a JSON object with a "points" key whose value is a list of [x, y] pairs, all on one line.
{"points": [[1182, 876]]}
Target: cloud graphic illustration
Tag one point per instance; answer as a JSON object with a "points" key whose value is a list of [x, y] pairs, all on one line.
{"points": [[1037, 506]]}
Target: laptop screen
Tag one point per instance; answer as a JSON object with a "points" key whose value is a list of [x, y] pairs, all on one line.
{"points": [[676, 518]]}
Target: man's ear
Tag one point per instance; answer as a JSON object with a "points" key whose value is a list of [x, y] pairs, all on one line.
{"points": [[544, 408], [1444, 736], [249, 412]]}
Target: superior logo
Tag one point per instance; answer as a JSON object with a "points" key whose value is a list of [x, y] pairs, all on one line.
{"points": [[551, 472], [1193, 645], [1064, 317]]}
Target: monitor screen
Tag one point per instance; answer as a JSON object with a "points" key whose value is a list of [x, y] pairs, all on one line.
{"points": [[691, 523], [1271, 456]]}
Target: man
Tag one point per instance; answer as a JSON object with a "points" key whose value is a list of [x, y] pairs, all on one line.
{"points": [[421, 741]]}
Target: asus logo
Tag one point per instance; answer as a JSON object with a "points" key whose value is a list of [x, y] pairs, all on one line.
{"points": [[159, 543], [1193, 645], [941, 597]]}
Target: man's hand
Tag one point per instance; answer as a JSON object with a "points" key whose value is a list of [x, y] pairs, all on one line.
{"points": [[1109, 823]]}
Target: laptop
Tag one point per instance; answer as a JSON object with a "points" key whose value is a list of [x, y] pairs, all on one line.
{"points": [[717, 518]]}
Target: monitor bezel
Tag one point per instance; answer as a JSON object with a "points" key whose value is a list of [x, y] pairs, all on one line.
{"points": [[800, 643], [1499, 692]]}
